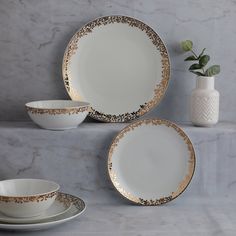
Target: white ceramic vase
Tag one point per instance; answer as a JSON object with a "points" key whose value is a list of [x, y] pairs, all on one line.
{"points": [[205, 102]]}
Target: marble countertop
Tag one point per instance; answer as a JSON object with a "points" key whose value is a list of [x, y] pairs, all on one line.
{"points": [[189, 217], [77, 160]]}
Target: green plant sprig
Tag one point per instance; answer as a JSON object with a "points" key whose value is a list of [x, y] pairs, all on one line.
{"points": [[202, 59]]}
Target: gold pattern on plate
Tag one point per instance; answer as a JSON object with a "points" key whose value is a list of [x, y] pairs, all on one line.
{"points": [[160, 88], [65, 201], [77, 202], [182, 185], [69, 111], [37, 198]]}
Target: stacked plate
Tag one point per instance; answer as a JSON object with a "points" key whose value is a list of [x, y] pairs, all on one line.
{"points": [[33, 204]]}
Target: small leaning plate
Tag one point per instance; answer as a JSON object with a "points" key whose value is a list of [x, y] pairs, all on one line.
{"points": [[77, 208], [151, 162]]}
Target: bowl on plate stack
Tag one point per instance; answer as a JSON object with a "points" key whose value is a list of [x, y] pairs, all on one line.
{"points": [[30, 204]]}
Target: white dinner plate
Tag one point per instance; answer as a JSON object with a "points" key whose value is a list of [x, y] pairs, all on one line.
{"points": [[59, 207], [119, 65], [78, 207], [151, 162]]}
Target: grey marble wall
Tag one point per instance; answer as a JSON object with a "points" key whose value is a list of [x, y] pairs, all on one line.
{"points": [[34, 34]]}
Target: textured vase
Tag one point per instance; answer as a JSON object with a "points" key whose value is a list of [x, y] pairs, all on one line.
{"points": [[205, 102]]}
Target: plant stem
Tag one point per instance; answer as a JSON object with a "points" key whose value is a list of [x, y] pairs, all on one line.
{"points": [[194, 53]]}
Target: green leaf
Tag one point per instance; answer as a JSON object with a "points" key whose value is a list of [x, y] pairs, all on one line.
{"points": [[213, 70], [197, 73], [186, 45], [191, 58], [203, 50], [204, 60], [195, 67]]}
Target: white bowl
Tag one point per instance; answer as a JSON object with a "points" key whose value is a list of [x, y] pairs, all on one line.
{"points": [[58, 114], [26, 197]]}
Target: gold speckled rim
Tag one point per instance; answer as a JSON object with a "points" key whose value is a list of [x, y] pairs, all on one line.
{"points": [[70, 110], [39, 198], [184, 183], [76, 201], [159, 89]]}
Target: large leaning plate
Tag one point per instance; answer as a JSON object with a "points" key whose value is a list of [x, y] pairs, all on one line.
{"points": [[151, 162], [119, 65]]}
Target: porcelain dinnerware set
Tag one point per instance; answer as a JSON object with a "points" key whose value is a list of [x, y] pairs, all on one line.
{"points": [[115, 69]]}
